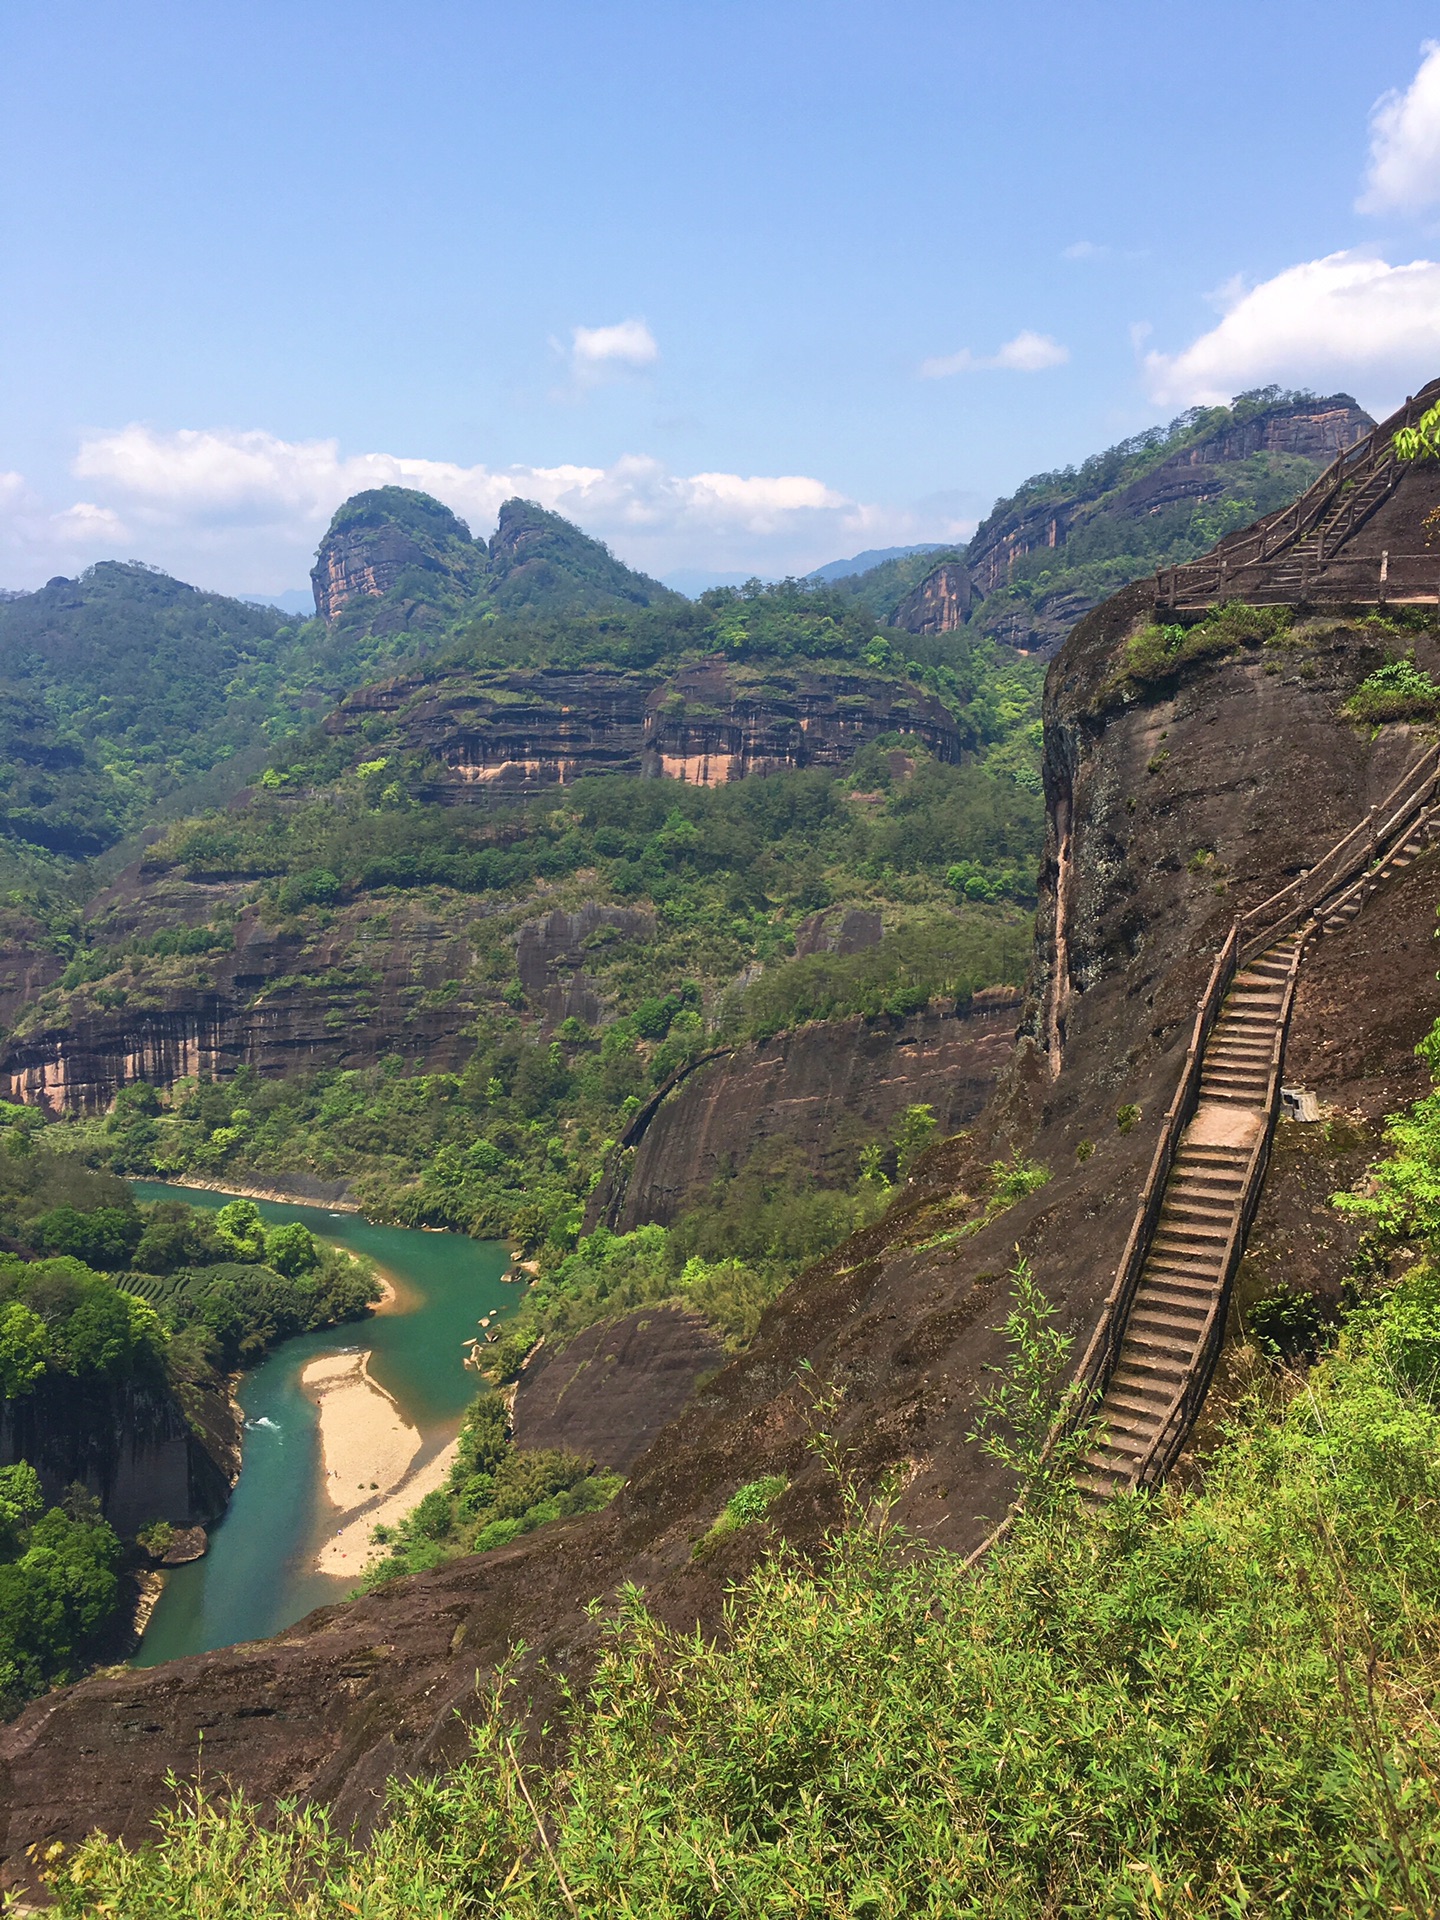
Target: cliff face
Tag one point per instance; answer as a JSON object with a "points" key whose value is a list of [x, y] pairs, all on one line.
{"points": [[513, 733], [940, 603], [815, 1093], [1168, 814], [616, 1387], [394, 558], [131, 1445], [1100, 513], [1193, 474], [370, 985]]}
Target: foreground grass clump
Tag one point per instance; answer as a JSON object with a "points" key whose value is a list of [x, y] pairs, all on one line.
{"points": [[1205, 1704]]}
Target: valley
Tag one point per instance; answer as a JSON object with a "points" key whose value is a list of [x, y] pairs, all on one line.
{"points": [[795, 984]]}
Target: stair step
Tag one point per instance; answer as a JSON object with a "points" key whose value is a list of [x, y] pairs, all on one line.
{"points": [[1151, 1376], [1138, 1432], [1175, 1270], [1133, 1403], [1155, 1320], [1141, 1339]]}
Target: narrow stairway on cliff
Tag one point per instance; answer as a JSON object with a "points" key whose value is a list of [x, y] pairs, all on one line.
{"points": [[1182, 1283]]}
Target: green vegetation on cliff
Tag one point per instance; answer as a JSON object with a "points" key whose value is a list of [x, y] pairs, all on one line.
{"points": [[492, 1495], [719, 882], [117, 1323]]}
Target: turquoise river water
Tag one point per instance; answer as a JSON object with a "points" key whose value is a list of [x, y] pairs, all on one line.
{"points": [[258, 1576]]}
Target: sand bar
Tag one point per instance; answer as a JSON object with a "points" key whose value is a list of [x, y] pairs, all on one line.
{"points": [[349, 1549], [369, 1445]]}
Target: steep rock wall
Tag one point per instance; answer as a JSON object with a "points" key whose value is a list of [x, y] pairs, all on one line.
{"points": [[821, 1090], [616, 1387], [516, 732]]}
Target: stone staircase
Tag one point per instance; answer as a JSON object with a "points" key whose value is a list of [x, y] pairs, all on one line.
{"points": [[1344, 909], [1191, 1253]]}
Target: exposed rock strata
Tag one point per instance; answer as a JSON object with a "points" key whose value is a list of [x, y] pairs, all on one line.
{"points": [[940, 603], [516, 732], [1314, 433], [1250, 766]]}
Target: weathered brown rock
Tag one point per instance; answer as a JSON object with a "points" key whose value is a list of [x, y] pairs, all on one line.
{"points": [[514, 732], [940, 603], [1313, 432], [615, 1387], [818, 1093]]}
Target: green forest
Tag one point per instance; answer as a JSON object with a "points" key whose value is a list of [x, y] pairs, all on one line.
{"points": [[117, 1318]]}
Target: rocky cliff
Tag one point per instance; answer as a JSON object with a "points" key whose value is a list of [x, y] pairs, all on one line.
{"points": [[1314, 431], [1043, 558], [1170, 808], [394, 558], [817, 1093], [514, 732], [940, 603]]}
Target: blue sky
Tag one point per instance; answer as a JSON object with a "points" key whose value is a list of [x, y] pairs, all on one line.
{"points": [[735, 286]]}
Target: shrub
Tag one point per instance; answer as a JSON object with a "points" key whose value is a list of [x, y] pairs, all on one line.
{"points": [[1400, 690]]}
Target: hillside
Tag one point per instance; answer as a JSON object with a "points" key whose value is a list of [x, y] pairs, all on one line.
{"points": [[122, 688], [1057, 546], [1186, 781], [471, 881]]}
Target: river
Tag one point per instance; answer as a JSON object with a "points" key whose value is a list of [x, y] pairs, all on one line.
{"points": [[258, 1576]]}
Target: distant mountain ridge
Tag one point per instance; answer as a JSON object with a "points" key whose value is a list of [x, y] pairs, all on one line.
{"points": [[1066, 540], [871, 558], [394, 559]]}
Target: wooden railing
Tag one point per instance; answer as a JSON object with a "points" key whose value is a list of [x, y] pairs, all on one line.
{"points": [[1103, 1352], [1295, 905], [1244, 565], [1181, 1414], [1340, 581], [1347, 860]]}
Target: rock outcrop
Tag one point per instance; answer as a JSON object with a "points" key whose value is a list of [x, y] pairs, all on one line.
{"points": [[616, 1387], [815, 1094], [377, 537], [515, 732], [394, 558], [940, 603], [1311, 430]]}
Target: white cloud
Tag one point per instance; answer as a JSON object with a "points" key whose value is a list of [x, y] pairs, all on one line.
{"points": [[244, 510], [1347, 320], [1404, 171], [596, 351], [1085, 250], [1028, 352]]}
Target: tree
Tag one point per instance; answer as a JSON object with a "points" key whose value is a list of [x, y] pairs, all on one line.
{"points": [[241, 1229], [103, 1238], [291, 1250], [24, 1351]]}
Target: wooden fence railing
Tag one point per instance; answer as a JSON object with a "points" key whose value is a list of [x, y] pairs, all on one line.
{"points": [[1295, 905], [1276, 562], [1184, 1409], [1340, 581]]}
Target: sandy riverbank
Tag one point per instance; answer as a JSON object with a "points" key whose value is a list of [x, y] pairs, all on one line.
{"points": [[281, 1196], [370, 1458]]}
